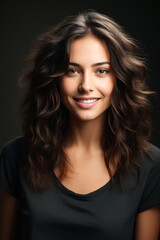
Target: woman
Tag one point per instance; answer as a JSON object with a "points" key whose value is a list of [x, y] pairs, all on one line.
{"points": [[84, 168]]}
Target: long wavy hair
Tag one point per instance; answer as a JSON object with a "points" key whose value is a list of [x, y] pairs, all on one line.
{"points": [[45, 118]]}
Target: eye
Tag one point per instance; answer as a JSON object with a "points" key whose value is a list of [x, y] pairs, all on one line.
{"points": [[102, 71], [71, 71]]}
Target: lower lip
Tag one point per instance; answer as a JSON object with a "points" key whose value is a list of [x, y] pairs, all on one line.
{"points": [[86, 105]]}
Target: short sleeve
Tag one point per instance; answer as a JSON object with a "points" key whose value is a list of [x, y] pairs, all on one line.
{"points": [[9, 177], [151, 193]]}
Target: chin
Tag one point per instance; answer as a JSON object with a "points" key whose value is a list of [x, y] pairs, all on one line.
{"points": [[87, 118]]}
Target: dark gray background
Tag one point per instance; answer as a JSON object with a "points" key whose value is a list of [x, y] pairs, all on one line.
{"points": [[22, 21]]}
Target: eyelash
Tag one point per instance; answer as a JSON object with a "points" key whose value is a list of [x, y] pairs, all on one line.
{"points": [[73, 70]]}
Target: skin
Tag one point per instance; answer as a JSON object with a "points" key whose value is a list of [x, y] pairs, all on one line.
{"points": [[89, 75], [148, 224], [85, 79], [9, 209], [81, 141]]}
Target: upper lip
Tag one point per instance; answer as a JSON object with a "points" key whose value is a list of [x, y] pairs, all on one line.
{"points": [[86, 98]]}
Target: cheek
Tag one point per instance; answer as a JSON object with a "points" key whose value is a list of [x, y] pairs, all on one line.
{"points": [[65, 88], [107, 88]]}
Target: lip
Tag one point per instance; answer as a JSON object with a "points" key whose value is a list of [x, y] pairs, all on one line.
{"points": [[86, 105], [86, 98]]}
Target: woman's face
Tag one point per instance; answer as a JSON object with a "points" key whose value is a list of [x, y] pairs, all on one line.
{"points": [[86, 87]]}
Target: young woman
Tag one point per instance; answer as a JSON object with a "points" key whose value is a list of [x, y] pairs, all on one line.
{"points": [[84, 168]]}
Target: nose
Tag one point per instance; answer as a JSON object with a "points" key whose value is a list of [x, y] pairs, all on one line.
{"points": [[86, 83]]}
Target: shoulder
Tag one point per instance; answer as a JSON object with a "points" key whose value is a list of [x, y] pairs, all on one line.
{"points": [[150, 179], [13, 147], [11, 152], [152, 158], [150, 164], [13, 144], [10, 162], [154, 152]]}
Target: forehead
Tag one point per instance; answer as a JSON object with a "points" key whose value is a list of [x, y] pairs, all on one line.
{"points": [[88, 49]]}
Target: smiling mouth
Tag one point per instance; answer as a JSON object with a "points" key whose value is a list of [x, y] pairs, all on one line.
{"points": [[86, 100]]}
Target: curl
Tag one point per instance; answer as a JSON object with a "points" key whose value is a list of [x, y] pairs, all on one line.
{"points": [[45, 119]]}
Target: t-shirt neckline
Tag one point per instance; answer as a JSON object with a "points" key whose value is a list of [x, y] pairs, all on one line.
{"points": [[92, 194]]}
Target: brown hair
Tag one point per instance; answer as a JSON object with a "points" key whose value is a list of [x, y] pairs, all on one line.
{"points": [[44, 117]]}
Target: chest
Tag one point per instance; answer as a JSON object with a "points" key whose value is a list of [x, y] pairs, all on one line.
{"points": [[85, 177], [62, 213]]}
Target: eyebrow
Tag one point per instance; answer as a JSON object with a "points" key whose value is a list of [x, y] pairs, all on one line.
{"points": [[93, 65]]}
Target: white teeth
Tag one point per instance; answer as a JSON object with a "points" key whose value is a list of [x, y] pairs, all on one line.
{"points": [[87, 101]]}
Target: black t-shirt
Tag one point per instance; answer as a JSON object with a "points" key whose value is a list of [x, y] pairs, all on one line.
{"points": [[59, 213]]}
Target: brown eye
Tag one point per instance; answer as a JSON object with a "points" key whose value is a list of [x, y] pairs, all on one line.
{"points": [[71, 71], [102, 71]]}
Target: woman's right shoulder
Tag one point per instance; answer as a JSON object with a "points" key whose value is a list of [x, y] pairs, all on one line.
{"points": [[13, 149], [10, 163], [13, 145]]}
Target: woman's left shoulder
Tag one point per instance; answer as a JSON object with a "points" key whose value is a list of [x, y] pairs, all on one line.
{"points": [[154, 150], [150, 179], [151, 159]]}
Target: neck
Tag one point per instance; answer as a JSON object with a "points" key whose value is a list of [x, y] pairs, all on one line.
{"points": [[85, 135]]}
